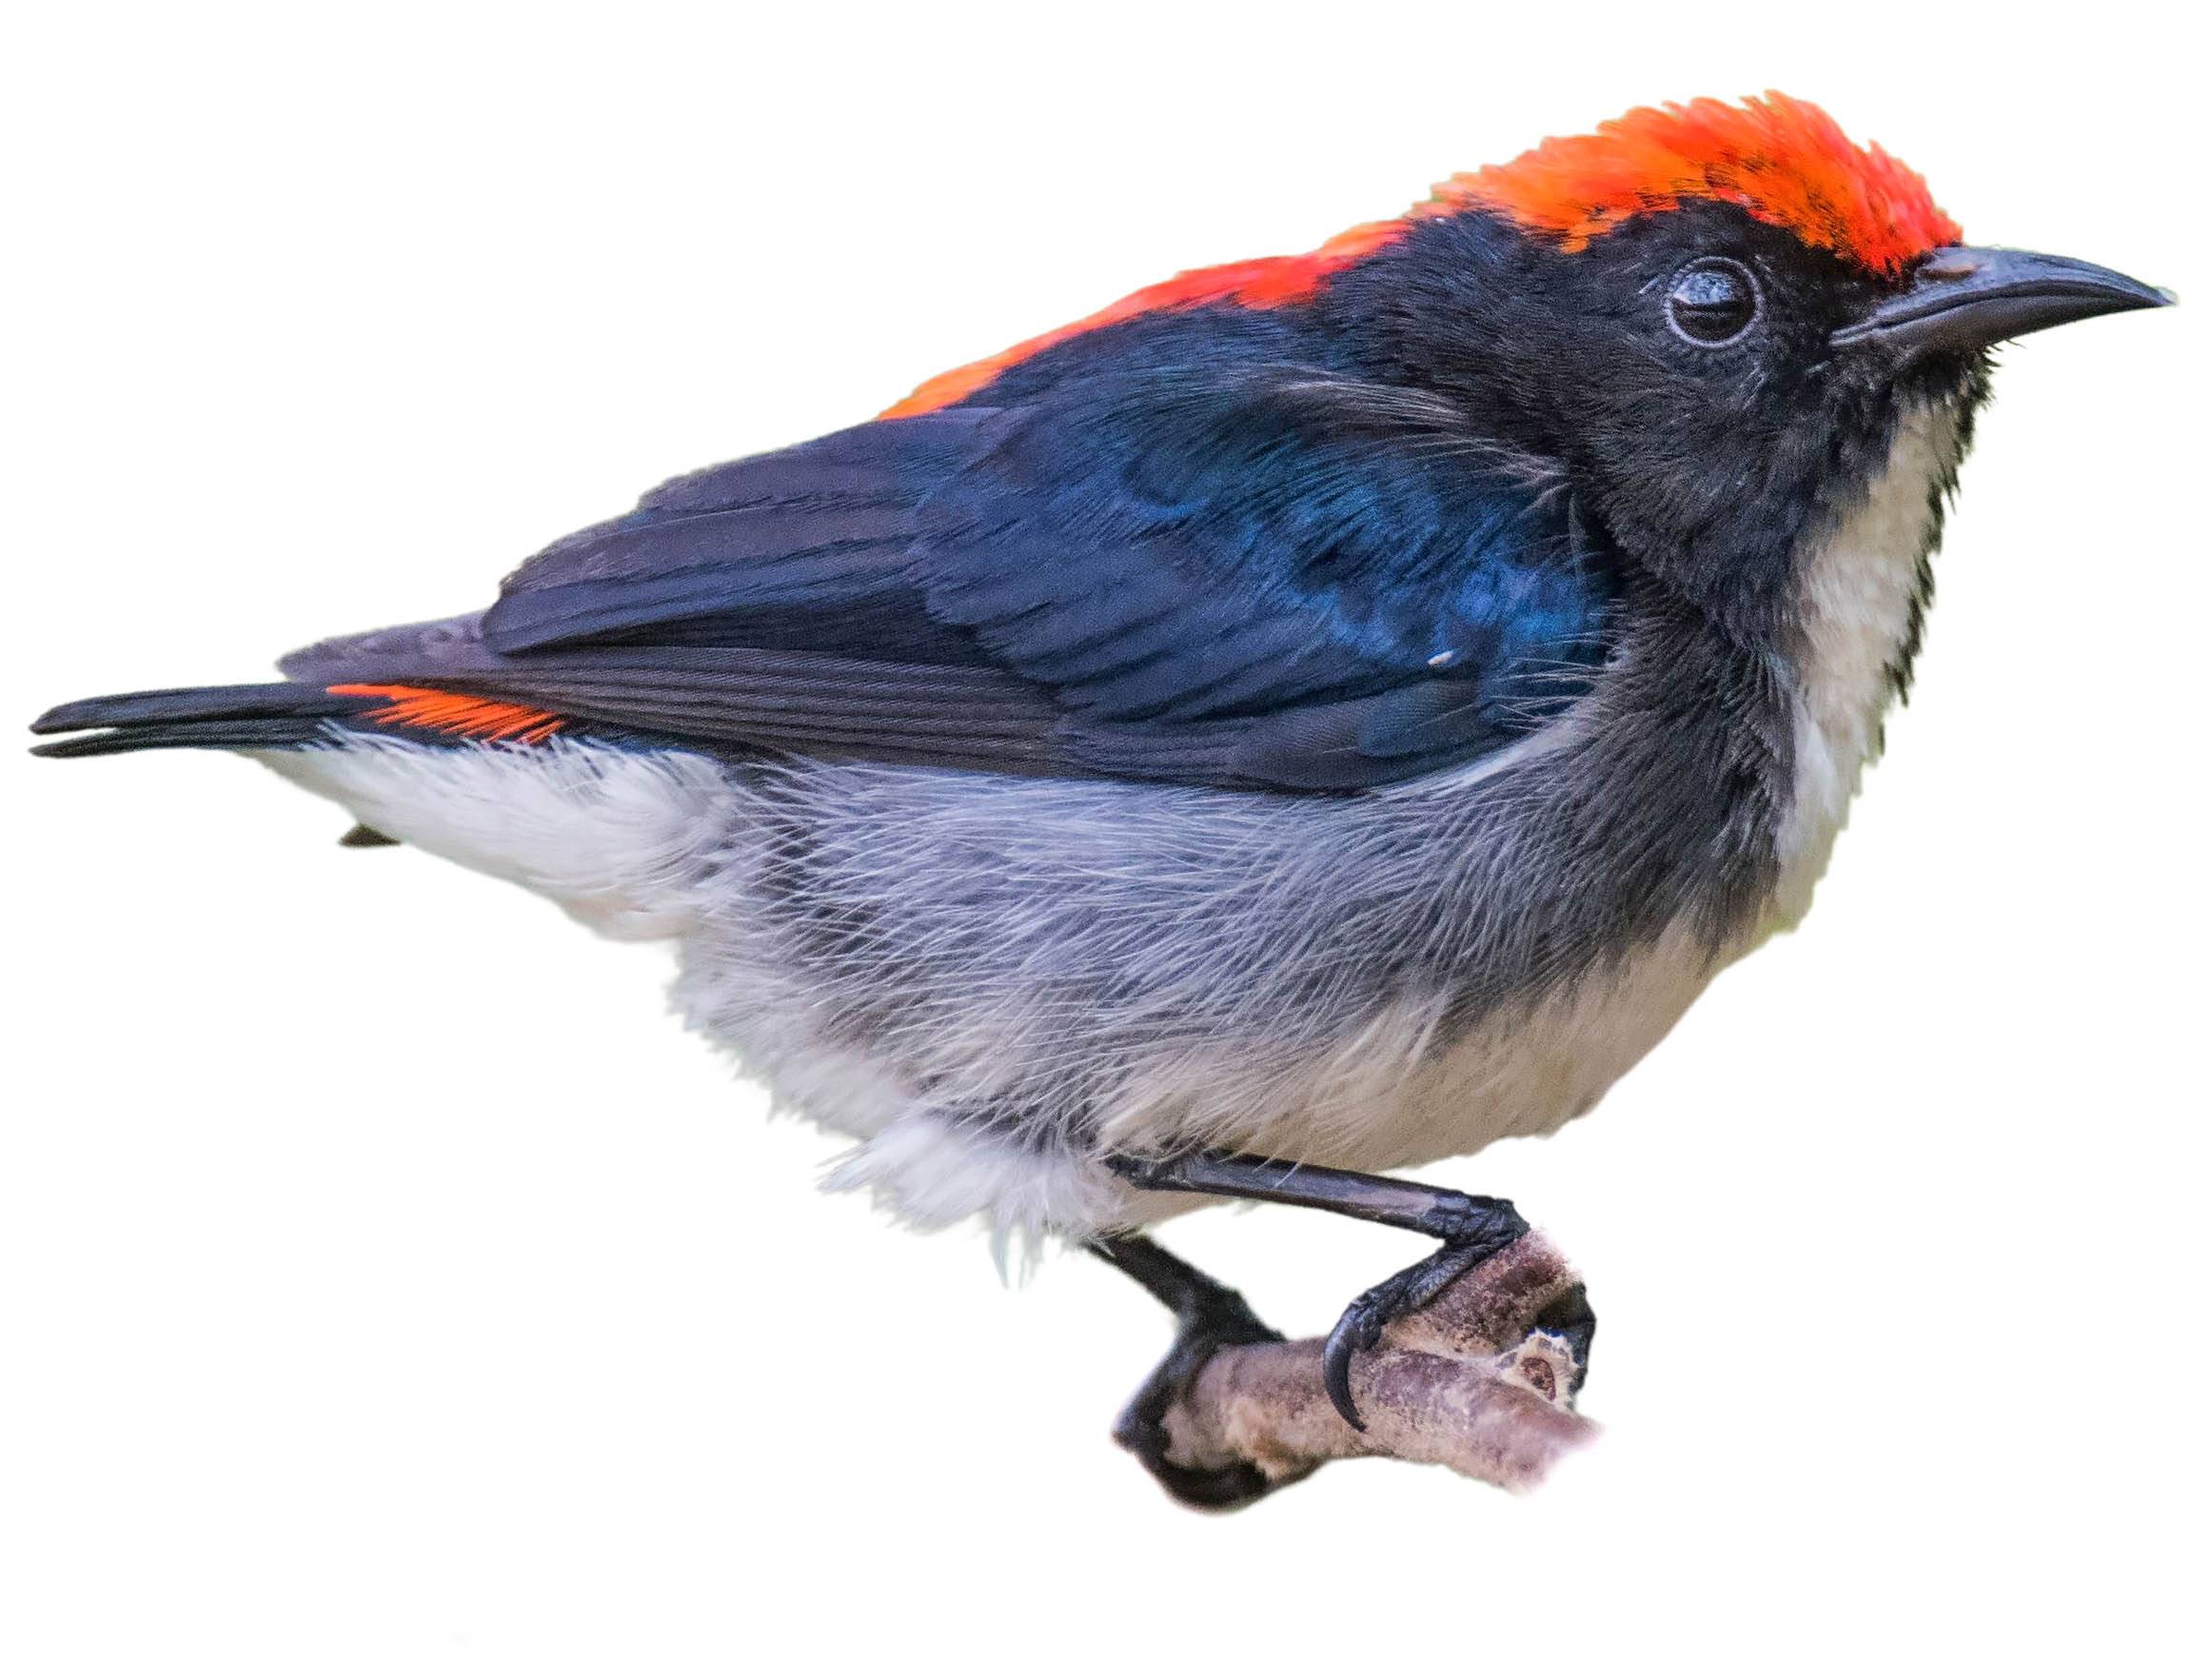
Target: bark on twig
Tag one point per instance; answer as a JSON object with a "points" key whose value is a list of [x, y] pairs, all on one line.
{"points": [[1473, 1381]]}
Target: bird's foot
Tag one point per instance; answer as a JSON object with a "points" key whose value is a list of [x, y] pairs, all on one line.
{"points": [[1209, 1317], [1473, 1229], [1142, 1426]]}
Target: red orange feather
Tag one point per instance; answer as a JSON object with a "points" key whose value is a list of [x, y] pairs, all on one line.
{"points": [[1782, 160], [455, 714], [1274, 281]]}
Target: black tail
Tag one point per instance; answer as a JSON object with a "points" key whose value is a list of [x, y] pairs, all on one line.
{"points": [[207, 717], [286, 716]]}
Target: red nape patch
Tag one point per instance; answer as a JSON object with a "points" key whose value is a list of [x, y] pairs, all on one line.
{"points": [[456, 715], [1781, 160]]}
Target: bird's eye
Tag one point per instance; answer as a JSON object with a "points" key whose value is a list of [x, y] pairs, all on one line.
{"points": [[1714, 302]]}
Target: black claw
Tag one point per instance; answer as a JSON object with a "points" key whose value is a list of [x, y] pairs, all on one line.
{"points": [[1405, 1292], [1569, 1318], [1345, 1341]]}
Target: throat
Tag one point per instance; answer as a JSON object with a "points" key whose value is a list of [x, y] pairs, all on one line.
{"points": [[1861, 595]]}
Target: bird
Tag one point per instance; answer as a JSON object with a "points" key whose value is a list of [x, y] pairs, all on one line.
{"points": [[1313, 716]]}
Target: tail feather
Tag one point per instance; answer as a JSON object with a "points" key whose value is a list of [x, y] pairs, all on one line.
{"points": [[278, 717], [205, 717], [140, 708]]}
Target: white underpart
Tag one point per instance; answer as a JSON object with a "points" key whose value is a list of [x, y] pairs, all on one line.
{"points": [[618, 839], [1396, 1097], [1400, 1094], [1857, 601]]}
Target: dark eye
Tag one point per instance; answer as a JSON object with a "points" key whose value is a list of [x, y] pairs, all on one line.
{"points": [[1712, 301]]}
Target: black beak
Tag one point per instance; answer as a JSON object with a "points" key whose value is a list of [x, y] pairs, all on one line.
{"points": [[1963, 298]]}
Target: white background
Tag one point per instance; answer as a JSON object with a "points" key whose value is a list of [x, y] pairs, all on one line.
{"points": [[382, 1271]]}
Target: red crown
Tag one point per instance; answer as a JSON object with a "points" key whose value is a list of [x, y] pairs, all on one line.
{"points": [[1781, 160]]}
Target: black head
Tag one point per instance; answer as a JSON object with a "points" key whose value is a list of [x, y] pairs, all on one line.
{"points": [[1715, 315]]}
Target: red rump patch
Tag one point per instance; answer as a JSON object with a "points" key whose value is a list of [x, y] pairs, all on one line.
{"points": [[455, 714], [1782, 160]]}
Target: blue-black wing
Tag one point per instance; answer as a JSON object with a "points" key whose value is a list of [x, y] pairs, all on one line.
{"points": [[1275, 579]]}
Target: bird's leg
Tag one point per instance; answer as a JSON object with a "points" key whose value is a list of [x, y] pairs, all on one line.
{"points": [[1469, 1229], [1209, 1317]]}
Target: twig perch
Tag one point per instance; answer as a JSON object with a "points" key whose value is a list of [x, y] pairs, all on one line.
{"points": [[1481, 1380]]}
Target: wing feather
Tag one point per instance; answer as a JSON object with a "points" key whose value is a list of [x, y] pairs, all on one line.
{"points": [[1271, 578]]}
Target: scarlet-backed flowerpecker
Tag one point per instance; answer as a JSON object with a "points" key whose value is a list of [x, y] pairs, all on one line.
{"points": [[1312, 717]]}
